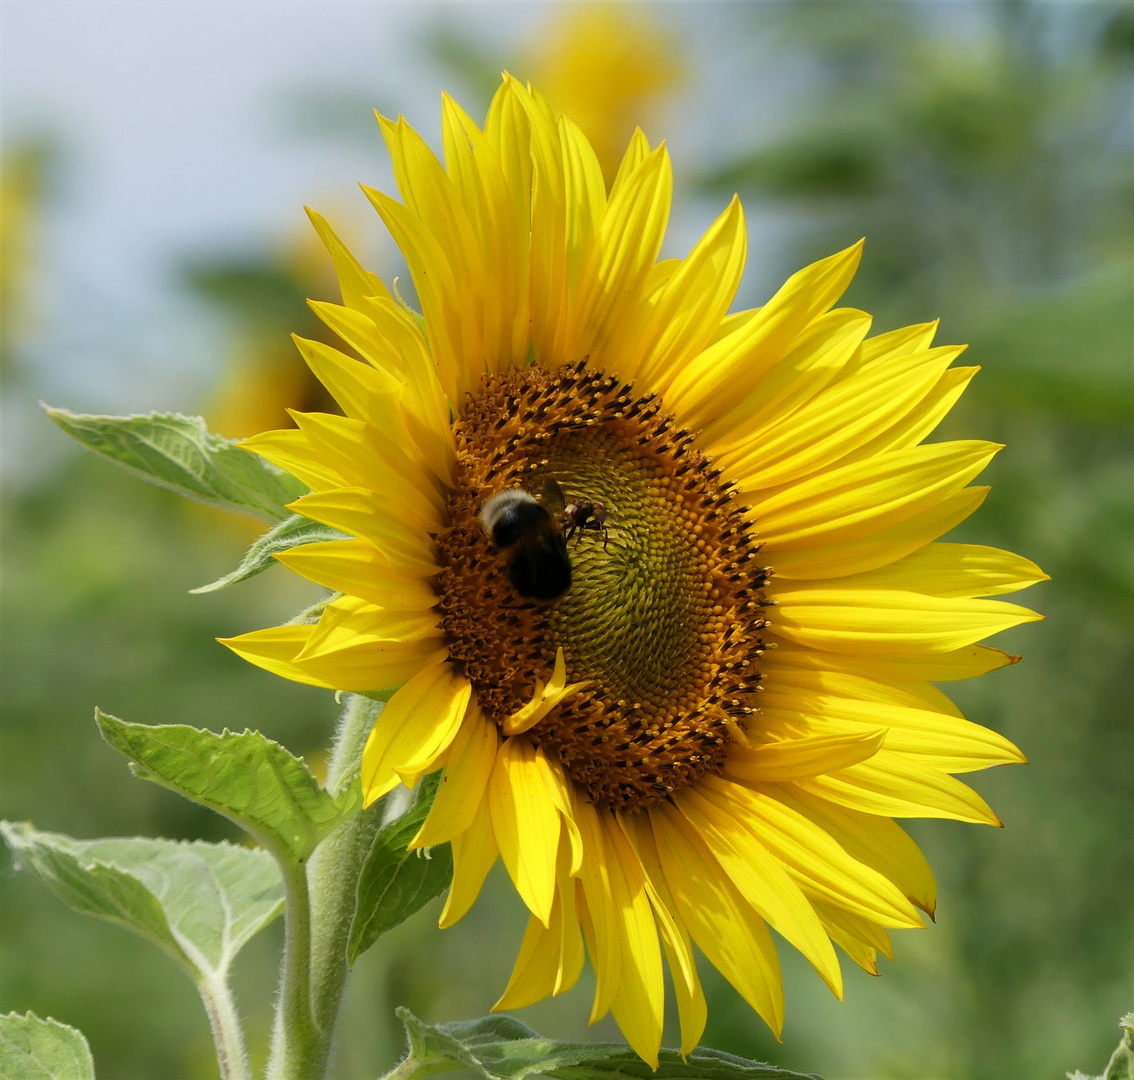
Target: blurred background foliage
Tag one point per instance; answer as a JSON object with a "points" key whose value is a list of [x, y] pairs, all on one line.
{"points": [[985, 151]]}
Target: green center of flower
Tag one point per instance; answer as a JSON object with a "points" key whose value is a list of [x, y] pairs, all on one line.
{"points": [[664, 612]]}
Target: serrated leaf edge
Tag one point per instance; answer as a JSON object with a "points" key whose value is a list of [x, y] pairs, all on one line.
{"points": [[268, 839]]}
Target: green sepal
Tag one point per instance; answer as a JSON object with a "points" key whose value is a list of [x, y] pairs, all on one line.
{"points": [[289, 533], [500, 1048], [181, 454], [256, 783], [198, 902], [395, 882], [35, 1049]]}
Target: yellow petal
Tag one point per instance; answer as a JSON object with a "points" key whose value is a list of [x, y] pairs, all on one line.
{"points": [[350, 619], [820, 355], [966, 663], [810, 671], [534, 973], [922, 419], [369, 458], [436, 287], [407, 547], [291, 451], [544, 699], [638, 1006], [713, 384], [508, 130], [793, 759], [479, 173], [892, 785], [844, 416], [960, 570], [396, 391], [813, 859], [876, 841], [360, 569], [692, 303], [548, 229], [464, 784], [560, 789], [358, 329], [762, 880], [572, 954], [354, 281], [719, 918], [426, 383], [854, 501], [364, 392], [414, 727], [851, 934], [842, 551], [601, 922], [550, 960], [371, 666], [584, 195], [474, 853], [889, 620], [906, 339], [526, 824], [950, 743], [637, 151], [691, 1007], [616, 273], [274, 650]]}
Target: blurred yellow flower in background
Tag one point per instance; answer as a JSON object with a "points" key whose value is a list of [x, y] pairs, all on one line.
{"points": [[711, 732], [22, 180], [263, 377], [608, 67]]}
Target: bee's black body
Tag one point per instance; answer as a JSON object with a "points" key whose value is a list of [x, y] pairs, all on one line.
{"points": [[532, 543]]}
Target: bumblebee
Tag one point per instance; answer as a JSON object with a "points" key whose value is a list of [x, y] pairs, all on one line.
{"points": [[527, 533]]}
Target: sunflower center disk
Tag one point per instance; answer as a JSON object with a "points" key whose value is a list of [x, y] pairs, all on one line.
{"points": [[664, 613]]}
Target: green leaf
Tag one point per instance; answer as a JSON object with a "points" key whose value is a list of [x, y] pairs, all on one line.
{"points": [[289, 533], [500, 1048], [248, 778], [395, 882], [35, 1049], [198, 902], [181, 454]]}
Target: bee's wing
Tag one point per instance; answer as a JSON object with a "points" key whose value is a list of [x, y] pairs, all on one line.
{"points": [[551, 497], [541, 568]]}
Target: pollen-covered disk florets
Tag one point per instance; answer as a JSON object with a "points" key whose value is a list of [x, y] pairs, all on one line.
{"points": [[662, 621], [607, 746]]}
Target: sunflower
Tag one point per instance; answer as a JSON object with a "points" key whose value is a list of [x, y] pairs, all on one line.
{"points": [[711, 732]]}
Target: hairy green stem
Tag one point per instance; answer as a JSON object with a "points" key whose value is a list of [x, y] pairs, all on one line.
{"points": [[358, 716], [1121, 1064], [295, 1040], [337, 863], [320, 907], [228, 1036]]}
